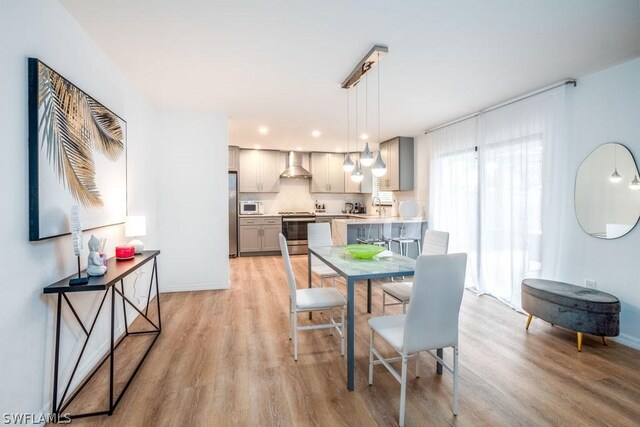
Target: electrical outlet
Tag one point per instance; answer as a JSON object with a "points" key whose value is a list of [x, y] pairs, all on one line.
{"points": [[591, 284]]}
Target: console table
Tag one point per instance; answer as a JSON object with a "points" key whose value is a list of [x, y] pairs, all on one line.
{"points": [[116, 272]]}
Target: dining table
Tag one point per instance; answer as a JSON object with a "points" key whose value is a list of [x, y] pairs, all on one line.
{"points": [[359, 270]]}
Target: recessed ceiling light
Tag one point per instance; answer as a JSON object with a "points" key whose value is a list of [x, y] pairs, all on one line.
{"points": [[315, 133], [263, 130], [298, 148], [257, 146], [338, 150], [364, 136]]}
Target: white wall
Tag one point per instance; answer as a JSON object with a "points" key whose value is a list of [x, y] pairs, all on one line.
{"points": [[192, 201], [604, 107], [45, 30], [176, 174]]}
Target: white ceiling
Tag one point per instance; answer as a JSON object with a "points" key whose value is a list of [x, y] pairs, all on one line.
{"points": [[280, 63]]}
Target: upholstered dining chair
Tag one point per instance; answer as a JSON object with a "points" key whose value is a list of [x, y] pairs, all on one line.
{"points": [[311, 299], [431, 321], [434, 243], [319, 234]]}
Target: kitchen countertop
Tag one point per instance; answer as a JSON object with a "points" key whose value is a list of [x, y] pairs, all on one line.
{"points": [[375, 219], [259, 216]]}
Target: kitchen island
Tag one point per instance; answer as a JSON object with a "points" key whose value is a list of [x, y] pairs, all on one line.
{"points": [[348, 231]]}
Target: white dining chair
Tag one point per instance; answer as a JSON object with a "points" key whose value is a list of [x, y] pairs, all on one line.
{"points": [[431, 321], [319, 234], [311, 299], [434, 243]]}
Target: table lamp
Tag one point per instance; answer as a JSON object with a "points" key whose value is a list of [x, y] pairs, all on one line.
{"points": [[136, 226]]}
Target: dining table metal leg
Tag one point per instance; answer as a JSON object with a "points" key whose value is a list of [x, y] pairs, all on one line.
{"points": [[350, 333], [369, 296], [439, 353]]}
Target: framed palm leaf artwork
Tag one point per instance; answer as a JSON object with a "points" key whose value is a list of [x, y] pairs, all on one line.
{"points": [[77, 156]]}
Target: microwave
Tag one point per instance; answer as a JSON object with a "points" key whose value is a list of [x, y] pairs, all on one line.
{"points": [[251, 208]]}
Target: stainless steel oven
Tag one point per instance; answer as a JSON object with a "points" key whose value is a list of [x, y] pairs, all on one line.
{"points": [[294, 229]]}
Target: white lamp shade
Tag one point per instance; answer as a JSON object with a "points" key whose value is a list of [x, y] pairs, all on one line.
{"points": [[136, 226], [379, 168]]}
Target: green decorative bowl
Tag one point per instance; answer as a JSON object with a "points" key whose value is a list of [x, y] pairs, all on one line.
{"points": [[363, 251]]}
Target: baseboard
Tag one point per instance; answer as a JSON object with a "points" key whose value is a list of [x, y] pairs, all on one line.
{"points": [[627, 340], [193, 287]]}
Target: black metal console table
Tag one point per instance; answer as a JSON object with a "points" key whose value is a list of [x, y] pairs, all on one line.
{"points": [[116, 272]]}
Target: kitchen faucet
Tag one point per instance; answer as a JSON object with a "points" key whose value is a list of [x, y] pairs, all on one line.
{"points": [[380, 208]]}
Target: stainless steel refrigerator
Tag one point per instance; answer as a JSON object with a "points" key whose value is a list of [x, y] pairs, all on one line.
{"points": [[233, 215]]}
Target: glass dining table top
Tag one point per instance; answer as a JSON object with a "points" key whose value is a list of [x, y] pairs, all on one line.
{"points": [[348, 266]]}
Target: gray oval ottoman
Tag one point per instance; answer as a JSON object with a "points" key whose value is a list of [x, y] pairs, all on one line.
{"points": [[586, 311]]}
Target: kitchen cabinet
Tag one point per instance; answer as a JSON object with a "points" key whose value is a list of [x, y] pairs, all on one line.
{"points": [[259, 171], [328, 176], [234, 158], [397, 153], [357, 187], [259, 234]]}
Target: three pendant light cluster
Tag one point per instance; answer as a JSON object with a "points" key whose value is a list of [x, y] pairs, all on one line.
{"points": [[616, 177], [378, 167]]}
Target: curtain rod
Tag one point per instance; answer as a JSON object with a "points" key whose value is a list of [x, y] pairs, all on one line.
{"points": [[505, 103]]}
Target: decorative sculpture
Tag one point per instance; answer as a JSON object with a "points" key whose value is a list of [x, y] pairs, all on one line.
{"points": [[95, 265], [76, 239]]}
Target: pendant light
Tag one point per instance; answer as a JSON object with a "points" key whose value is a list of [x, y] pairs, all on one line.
{"points": [[348, 165], [635, 184], [356, 175], [366, 158], [615, 176], [379, 168]]}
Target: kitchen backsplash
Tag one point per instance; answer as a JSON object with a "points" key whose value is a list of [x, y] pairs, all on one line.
{"points": [[294, 195]]}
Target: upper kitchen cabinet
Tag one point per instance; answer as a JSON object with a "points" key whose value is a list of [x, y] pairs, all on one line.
{"points": [[234, 158], [357, 187], [397, 153], [328, 176], [259, 171]]}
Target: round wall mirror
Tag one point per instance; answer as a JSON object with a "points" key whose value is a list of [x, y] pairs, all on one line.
{"points": [[607, 193]]}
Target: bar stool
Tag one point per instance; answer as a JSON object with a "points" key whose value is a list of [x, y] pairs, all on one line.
{"points": [[379, 240], [409, 234], [411, 231]]}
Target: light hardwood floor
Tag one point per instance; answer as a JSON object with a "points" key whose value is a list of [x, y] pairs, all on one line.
{"points": [[224, 358]]}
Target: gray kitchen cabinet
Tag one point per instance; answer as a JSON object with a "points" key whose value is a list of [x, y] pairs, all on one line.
{"points": [[270, 238], [358, 187], [250, 238], [259, 234], [328, 176], [397, 153], [234, 158], [259, 171]]}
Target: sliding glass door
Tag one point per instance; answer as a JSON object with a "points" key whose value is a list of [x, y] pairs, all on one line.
{"points": [[491, 189]]}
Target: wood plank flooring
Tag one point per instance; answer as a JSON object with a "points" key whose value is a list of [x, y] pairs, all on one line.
{"points": [[224, 358]]}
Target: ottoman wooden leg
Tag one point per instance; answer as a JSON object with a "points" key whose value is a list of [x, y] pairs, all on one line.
{"points": [[529, 321], [604, 340], [579, 341]]}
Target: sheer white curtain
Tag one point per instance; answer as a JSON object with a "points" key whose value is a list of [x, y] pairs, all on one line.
{"points": [[520, 147], [495, 187], [453, 198]]}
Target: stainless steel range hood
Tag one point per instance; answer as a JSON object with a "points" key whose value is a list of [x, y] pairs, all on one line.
{"points": [[294, 167]]}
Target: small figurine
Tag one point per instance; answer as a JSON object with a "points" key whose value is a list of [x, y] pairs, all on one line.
{"points": [[95, 265]]}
